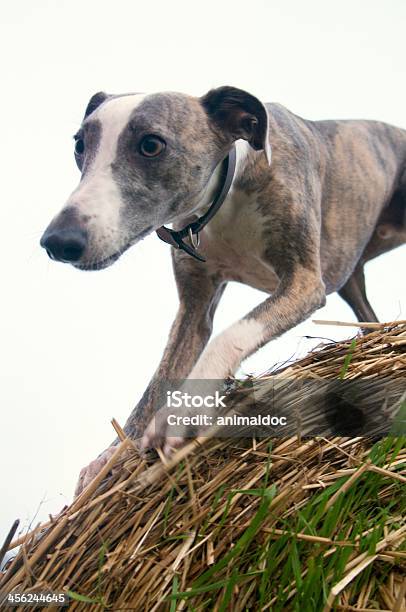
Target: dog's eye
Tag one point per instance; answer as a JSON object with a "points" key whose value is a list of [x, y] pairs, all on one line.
{"points": [[79, 146], [151, 146]]}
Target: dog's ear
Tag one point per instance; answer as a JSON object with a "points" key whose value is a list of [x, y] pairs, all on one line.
{"points": [[95, 101], [240, 115]]}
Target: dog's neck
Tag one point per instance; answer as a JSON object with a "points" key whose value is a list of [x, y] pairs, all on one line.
{"points": [[176, 237], [242, 151]]}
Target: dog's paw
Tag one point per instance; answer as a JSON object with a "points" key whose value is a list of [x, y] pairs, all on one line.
{"points": [[197, 404], [156, 435], [88, 473]]}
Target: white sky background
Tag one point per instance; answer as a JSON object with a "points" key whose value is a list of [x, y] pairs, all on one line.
{"points": [[79, 348]]}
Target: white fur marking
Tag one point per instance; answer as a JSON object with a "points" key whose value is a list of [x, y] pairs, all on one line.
{"points": [[113, 115], [98, 195], [223, 355], [242, 148]]}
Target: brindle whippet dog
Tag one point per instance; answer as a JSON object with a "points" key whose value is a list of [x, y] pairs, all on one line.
{"points": [[299, 226]]}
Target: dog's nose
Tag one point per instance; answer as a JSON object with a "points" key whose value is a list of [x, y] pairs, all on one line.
{"points": [[67, 245]]}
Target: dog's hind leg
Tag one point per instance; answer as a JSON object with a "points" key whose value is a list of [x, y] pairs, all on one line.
{"points": [[390, 232], [354, 293]]}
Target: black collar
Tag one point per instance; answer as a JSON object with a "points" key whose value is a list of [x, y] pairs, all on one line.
{"points": [[175, 239]]}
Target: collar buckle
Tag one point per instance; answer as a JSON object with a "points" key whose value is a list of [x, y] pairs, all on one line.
{"points": [[194, 241]]}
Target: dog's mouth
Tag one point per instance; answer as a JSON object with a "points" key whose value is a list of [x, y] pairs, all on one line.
{"points": [[100, 264]]}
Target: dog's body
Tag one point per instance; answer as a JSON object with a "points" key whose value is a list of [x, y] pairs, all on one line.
{"points": [[299, 228]]}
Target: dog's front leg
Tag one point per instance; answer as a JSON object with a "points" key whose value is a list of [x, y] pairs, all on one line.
{"points": [[199, 294], [296, 298], [293, 302], [190, 332]]}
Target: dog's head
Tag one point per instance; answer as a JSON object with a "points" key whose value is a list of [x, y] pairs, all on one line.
{"points": [[146, 160]]}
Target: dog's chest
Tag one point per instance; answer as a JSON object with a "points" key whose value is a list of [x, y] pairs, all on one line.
{"points": [[233, 243]]}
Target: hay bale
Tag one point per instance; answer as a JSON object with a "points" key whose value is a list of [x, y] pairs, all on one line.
{"points": [[226, 524]]}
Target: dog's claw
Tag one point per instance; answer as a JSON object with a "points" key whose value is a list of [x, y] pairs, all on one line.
{"points": [[155, 436], [148, 439], [88, 473], [172, 444]]}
